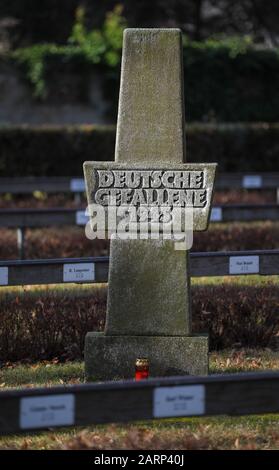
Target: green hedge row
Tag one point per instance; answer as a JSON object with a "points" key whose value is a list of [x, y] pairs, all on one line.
{"points": [[234, 316], [229, 85], [61, 151]]}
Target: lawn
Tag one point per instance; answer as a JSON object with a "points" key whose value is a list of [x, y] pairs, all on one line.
{"points": [[250, 432]]}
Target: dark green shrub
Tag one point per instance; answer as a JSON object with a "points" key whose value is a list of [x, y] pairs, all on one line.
{"points": [[61, 151], [98, 46]]}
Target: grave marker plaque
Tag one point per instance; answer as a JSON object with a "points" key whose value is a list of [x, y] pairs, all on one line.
{"points": [[148, 307]]}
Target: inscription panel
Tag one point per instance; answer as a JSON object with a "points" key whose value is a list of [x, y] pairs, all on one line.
{"points": [[176, 186]]}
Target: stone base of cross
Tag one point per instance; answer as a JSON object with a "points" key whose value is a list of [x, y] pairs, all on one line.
{"points": [[149, 306]]}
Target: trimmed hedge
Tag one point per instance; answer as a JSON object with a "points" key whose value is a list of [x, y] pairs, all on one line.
{"points": [[53, 151], [71, 243], [52, 324], [61, 151], [229, 85]]}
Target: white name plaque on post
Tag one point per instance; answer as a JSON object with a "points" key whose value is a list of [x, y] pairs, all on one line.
{"points": [[252, 181], [4, 276], [79, 272], [216, 214], [77, 185], [81, 218], [183, 400], [45, 411], [244, 265]]}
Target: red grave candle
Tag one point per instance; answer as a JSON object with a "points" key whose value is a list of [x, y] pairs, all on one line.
{"points": [[141, 369]]}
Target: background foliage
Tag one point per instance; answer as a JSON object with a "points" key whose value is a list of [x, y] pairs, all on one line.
{"points": [[51, 20], [230, 79]]}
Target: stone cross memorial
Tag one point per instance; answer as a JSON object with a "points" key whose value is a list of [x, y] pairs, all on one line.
{"points": [[149, 306]]}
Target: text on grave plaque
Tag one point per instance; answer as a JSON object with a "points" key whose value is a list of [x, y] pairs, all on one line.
{"points": [[182, 188]]}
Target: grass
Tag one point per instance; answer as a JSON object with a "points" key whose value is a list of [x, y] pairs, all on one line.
{"points": [[248, 280], [43, 373], [86, 289], [249, 432], [49, 373]]}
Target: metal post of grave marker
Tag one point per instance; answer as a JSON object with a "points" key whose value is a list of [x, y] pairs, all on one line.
{"points": [[149, 306]]}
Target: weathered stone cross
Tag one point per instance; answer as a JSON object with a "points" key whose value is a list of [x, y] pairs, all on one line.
{"points": [[148, 307]]}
